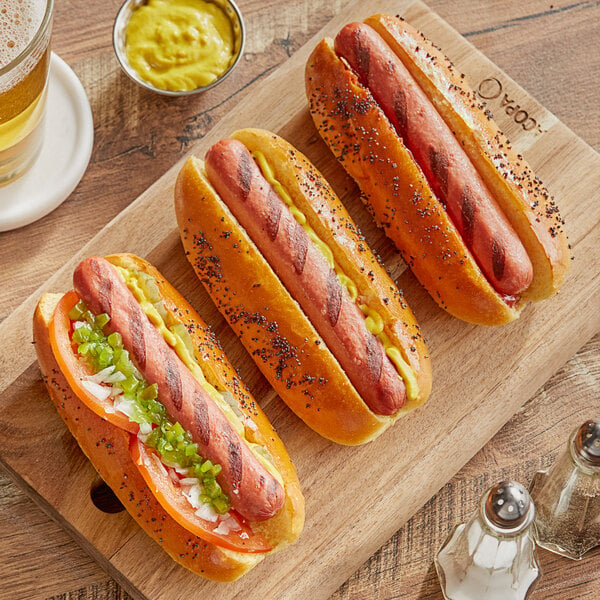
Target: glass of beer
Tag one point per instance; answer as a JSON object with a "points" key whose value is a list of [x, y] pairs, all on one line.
{"points": [[25, 29]]}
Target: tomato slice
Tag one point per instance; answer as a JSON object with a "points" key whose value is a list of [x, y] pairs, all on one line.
{"points": [[175, 503], [65, 352]]}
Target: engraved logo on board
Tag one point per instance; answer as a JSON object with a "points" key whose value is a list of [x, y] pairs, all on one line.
{"points": [[492, 89]]}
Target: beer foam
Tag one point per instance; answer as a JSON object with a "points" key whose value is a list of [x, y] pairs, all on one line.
{"points": [[19, 22]]}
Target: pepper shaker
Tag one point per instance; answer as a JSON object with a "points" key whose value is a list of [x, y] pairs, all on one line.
{"points": [[567, 497], [492, 556]]}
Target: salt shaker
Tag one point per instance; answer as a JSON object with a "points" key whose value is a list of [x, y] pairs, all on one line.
{"points": [[567, 497], [492, 556]]}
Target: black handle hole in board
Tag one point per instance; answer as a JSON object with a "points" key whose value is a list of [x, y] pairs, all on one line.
{"points": [[104, 498]]}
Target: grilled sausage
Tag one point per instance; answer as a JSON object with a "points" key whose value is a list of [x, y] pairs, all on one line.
{"points": [[470, 218], [252, 490], [306, 273], [476, 214]]}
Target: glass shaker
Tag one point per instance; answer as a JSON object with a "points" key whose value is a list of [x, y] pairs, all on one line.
{"points": [[567, 497], [493, 555]]}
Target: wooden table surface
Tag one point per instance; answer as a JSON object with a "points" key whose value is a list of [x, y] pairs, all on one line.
{"points": [[551, 49]]}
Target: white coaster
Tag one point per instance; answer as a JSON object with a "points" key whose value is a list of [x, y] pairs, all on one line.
{"points": [[64, 157]]}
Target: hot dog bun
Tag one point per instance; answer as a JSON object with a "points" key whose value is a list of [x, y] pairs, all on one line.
{"points": [[113, 460], [399, 195], [274, 329]]}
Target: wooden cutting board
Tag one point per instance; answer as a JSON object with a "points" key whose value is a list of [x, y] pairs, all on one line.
{"points": [[356, 497]]}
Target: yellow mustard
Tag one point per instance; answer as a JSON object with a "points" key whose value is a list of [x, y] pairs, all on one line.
{"points": [[373, 320], [173, 338], [179, 45]]}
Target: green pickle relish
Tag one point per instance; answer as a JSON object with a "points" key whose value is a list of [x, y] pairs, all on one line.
{"points": [[171, 441]]}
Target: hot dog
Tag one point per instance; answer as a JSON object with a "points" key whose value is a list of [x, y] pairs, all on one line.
{"points": [[125, 356], [287, 267], [477, 228]]}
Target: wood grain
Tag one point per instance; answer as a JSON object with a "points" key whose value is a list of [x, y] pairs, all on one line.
{"points": [[530, 441], [136, 139]]}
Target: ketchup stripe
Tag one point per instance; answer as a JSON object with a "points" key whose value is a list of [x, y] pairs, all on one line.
{"points": [[172, 377], [334, 297], [136, 331], [244, 173], [275, 207], [467, 207], [201, 419], [374, 353]]}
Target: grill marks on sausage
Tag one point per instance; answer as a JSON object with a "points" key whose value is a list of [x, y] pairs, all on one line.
{"points": [[299, 241], [363, 56], [467, 215], [105, 293], [374, 357], [439, 166], [172, 377], [201, 419], [401, 113], [274, 209], [136, 331], [334, 297], [244, 173], [236, 464], [498, 258], [104, 288], [272, 488]]}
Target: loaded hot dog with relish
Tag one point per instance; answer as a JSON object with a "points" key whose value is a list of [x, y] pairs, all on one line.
{"points": [[124, 354]]}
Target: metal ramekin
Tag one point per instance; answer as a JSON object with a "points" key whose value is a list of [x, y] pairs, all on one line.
{"points": [[129, 6]]}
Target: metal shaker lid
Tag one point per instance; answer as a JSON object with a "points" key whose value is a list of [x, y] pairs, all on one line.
{"points": [[587, 442], [508, 507]]}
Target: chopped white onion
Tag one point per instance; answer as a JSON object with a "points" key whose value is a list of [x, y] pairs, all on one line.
{"points": [[115, 391], [171, 464], [174, 478], [100, 375], [192, 494], [125, 406], [157, 460], [101, 392], [183, 471], [233, 525], [145, 428], [207, 512], [115, 377], [192, 490], [108, 375], [188, 481], [222, 528], [227, 525]]}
